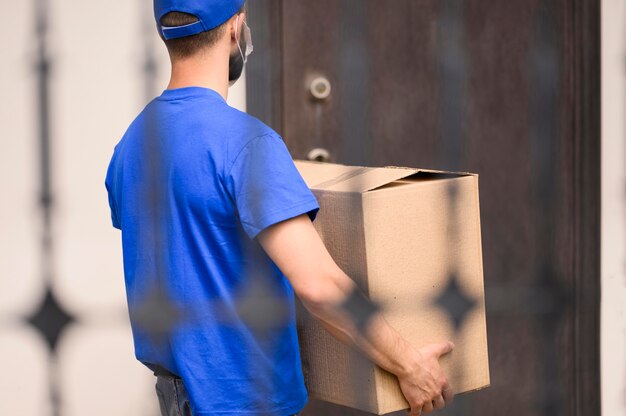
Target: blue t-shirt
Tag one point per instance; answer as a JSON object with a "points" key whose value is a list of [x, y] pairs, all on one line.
{"points": [[191, 184]]}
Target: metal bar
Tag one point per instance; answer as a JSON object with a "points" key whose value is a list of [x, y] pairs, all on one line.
{"points": [[149, 67], [354, 70], [46, 198], [264, 72], [43, 114], [453, 67], [544, 109]]}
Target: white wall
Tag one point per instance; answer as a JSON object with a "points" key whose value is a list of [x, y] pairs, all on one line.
{"points": [[613, 207], [97, 89]]}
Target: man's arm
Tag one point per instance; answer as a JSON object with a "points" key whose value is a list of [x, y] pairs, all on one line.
{"points": [[323, 287]]}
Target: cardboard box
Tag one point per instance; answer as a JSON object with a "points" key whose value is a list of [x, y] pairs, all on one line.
{"points": [[395, 232]]}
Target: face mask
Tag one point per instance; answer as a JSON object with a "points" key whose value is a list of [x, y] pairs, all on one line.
{"points": [[239, 58]]}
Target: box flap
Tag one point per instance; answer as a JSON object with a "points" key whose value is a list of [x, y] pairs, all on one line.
{"points": [[315, 173], [368, 179], [341, 178]]}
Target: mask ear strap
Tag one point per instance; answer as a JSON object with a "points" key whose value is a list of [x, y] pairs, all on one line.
{"points": [[243, 56]]}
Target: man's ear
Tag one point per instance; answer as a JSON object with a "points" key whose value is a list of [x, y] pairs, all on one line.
{"points": [[233, 27], [236, 25]]}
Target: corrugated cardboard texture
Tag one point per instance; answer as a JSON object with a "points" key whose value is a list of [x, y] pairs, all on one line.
{"points": [[342, 366], [390, 230], [411, 250]]}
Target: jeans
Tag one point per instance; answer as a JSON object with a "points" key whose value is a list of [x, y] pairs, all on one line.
{"points": [[172, 395]]}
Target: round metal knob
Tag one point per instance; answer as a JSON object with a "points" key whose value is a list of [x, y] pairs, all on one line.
{"points": [[319, 155], [321, 88]]}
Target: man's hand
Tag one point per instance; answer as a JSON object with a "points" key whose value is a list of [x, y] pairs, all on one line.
{"points": [[296, 248], [425, 386]]}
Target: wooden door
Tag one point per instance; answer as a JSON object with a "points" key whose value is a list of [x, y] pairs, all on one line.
{"points": [[506, 89]]}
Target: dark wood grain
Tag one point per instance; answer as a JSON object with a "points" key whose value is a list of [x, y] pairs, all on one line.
{"points": [[582, 40], [403, 119], [310, 45]]}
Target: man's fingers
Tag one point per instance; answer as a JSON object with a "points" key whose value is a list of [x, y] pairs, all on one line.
{"points": [[444, 348], [439, 403], [415, 411], [428, 407], [448, 394]]}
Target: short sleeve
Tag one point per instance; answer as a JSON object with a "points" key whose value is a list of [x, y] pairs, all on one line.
{"points": [[108, 183], [266, 186], [115, 221]]}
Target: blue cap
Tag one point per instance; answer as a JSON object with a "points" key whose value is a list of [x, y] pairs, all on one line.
{"points": [[210, 14]]}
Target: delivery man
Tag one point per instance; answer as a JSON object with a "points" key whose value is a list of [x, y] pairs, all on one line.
{"points": [[229, 201]]}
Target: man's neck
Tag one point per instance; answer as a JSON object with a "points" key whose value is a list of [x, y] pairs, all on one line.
{"points": [[208, 70]]}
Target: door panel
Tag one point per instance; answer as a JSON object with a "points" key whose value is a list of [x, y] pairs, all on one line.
{"points": [[388, 107]]}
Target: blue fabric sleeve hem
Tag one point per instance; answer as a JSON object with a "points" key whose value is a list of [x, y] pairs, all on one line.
{"points": [[308, 206]]}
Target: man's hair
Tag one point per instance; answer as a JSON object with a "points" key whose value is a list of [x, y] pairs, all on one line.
{"points": [[188, 46]]}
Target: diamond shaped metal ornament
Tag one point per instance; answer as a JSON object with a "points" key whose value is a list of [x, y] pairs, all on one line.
{"points": [[455, 301], [50, 319], [157, 315], [260, 307], [360, 309]]}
